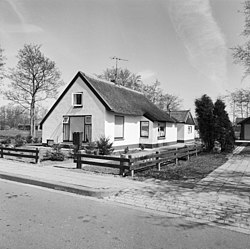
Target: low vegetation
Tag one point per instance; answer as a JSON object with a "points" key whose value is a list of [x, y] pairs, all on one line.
{"points": [[193, 170]]}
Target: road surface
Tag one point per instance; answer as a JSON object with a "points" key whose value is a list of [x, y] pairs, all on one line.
{"points": [[33, 217]]}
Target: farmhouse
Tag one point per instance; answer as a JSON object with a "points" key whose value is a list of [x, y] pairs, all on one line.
{"points": [[90, 108], [185, 125]]}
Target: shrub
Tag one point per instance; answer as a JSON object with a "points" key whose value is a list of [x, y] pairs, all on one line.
{"points": [[55, 155], [104, 146], [126, 150], [29, 139], [6, 141], [19, 140]]}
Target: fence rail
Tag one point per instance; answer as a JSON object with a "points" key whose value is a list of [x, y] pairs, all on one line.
{"points": [[137, 163], [33, 154]]}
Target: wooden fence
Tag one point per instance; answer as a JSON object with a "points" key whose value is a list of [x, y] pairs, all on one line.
{"points": [[121, 162], [20, 153], [137, 163]]}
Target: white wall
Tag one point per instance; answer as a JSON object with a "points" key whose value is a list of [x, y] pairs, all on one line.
{"points": [[131, 129], [188, 136], [53, 128], [180, 132]]}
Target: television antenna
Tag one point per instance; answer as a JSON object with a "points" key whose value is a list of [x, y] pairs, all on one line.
{"points": [[116, 63]]}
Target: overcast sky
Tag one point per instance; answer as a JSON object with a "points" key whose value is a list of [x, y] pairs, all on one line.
{"points": [[185, 44]]}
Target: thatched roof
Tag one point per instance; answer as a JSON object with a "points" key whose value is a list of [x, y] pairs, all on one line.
{"points": [[118, 99], [184, 116]]}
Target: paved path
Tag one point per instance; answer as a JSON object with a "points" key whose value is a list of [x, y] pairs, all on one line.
{"points": [[222, 198]]}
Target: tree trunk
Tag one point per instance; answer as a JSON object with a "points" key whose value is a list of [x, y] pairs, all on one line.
{"points": [[32, 119]]}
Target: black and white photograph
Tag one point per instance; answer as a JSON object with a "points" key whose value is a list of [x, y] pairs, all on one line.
{"points": [[124, 124]]}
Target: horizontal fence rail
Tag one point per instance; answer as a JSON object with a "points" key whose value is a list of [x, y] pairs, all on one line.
{"points": [[134, 163], [20, 153], [121, 162]]}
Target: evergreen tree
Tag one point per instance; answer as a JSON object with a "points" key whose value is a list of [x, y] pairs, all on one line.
{"points": [[204, 112], [223, 129]]}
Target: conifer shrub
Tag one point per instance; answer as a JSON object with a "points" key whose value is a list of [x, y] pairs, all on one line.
{"points": [[104, 146]]}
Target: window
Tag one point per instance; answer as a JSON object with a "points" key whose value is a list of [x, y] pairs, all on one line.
{"points": [[77, 99], [189, 129], [65, 120], [88, 120], [119, 127], [161, 130], [144, 129]]}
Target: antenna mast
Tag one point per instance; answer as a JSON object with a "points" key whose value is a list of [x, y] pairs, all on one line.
{"points": [[116, 63]]}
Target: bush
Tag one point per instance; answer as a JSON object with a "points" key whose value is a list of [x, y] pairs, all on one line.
{"points": [[6, 141], [104, 146], [29, 139], [55, 155], [19, 140]]}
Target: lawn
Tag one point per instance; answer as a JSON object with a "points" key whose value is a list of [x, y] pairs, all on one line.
{"points": [[13, 132], [193, 170]]}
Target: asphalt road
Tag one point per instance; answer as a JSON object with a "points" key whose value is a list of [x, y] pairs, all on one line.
{"points": [[33, 217]]}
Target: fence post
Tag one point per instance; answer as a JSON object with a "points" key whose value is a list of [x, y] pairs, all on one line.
{"points": [[130, 164], [122, 165], [37, 156], [196, 152], [176, 159], [78, 160], [188, 157], [1, 152], [158, 164]]}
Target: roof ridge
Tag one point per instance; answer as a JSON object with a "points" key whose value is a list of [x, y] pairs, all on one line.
{"points": [[94, 77]]}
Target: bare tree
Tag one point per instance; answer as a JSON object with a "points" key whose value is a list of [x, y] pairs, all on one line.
{"points": [[2, 62], [241, 53], [239, 102], [165, 101], [122, 77], [34, 79]]}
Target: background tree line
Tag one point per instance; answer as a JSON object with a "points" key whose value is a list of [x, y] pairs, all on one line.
{"points": [[36, 78], [165, 101]]}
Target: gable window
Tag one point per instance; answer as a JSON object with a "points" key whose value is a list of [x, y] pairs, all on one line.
{"points": [[144, 129], [119, 127], [77, 99], [161, 130]]}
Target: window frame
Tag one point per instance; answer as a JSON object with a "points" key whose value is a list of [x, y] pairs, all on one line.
{"points": [[74, 99], [190, 129], [122, 137], [141, 122], [161, 124], [66, 120]]}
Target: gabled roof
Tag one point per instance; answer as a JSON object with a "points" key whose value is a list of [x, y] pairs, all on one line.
{"points": [[117, 99], [184, 116], [239, 120], [244, 120]]}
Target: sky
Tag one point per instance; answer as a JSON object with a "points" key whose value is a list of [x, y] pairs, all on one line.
{"points": [[184, 44]]}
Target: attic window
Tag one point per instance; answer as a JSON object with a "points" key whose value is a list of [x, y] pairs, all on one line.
{"points": [[77, 99], [189, 129]]}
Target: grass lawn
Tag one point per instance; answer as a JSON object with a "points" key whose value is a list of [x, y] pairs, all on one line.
{"points": [[13, 133], [193, 170]]}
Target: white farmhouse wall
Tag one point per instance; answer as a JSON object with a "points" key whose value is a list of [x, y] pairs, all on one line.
{"points": [[189, 136], [53, 127], [171, 134], [131, 130], [180, 132]]}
